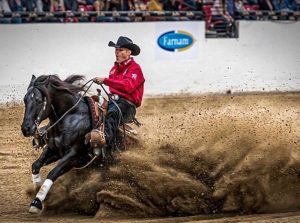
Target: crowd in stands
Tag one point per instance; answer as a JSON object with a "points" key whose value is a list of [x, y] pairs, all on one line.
{"points": [[227, 8], [98, 5], [220, 15]]}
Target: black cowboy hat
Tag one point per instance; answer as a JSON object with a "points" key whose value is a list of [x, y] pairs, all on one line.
{"points": [[125, 42]]}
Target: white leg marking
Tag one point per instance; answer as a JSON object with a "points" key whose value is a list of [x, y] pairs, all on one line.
{"points": [[36, 179], [44, 189]]}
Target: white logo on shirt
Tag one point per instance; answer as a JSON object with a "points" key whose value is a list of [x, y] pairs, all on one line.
{"points": [[133, 76]]}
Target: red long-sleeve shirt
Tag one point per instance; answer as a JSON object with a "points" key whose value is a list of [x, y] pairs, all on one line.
{"points": [[127, 80]]}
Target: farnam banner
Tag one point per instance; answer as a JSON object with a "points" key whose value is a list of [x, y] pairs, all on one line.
{"points": [[178, 41]]}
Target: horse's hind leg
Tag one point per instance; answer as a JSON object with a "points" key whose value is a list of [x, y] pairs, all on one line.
{"points": [[47, 156], [64, 165]]}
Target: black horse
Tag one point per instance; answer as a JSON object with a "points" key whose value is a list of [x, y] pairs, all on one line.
{"points": [[50, 97]]}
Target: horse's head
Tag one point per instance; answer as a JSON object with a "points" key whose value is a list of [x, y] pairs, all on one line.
{"points": [[36, 107], [46, 93]]}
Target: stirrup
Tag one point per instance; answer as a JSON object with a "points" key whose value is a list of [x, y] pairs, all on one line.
{"points": [[96, 139]]}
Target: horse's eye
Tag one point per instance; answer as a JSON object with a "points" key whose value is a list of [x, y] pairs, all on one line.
{"points": [[32, 95]]}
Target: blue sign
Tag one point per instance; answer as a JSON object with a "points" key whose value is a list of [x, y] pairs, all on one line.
{"points": [[175, 41]]}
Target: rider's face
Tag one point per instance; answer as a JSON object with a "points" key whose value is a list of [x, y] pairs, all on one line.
{"points": [[122, 54]]}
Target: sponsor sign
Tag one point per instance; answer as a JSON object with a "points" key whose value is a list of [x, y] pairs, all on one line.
{"points": [[175, 41]]}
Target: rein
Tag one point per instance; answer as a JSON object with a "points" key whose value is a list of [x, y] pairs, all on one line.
{"points": [[57, 121]]}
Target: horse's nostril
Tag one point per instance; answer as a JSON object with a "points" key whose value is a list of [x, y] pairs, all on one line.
{"points": [[25, 130]]}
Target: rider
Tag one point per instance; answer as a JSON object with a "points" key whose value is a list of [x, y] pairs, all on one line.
{"points": [[126, 86]]}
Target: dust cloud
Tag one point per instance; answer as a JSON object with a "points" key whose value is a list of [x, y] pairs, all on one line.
{"points": [[197, 155]]}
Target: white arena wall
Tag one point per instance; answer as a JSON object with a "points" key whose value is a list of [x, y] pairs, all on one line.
{"points": [[265, 57]]}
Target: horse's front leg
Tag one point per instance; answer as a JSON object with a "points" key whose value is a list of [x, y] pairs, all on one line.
{"points": [[63, 166], [47, 156]]}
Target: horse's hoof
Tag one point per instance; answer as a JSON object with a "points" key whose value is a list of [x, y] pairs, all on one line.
{"points": [[36, 206]]}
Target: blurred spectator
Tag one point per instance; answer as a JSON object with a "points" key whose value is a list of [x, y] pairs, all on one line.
{"points": [[85, 2], [33, 5], [15, 5], [219, 11], [199, 5], [99, 5], [139, 5], [4, 6], [170, 5], [113, 5], [46, 5], [239, 6], [39, 6], [128, 5], [265, 5], [187, 5], [251, 2], [154, 5], [231, 8], [221, 19], [57, 6], [71, 5], [285, 5]]}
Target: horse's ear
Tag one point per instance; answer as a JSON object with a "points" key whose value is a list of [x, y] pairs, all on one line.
{"points": [[32, 80], [33, 77]]}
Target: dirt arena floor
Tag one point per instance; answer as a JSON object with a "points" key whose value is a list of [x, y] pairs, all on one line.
{"points": [[208, 158]]}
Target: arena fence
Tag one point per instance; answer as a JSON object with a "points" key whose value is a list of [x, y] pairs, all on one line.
{"points": [[102, 16], [132, 16]]}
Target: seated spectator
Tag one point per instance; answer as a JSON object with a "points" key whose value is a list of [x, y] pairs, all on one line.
{"points": [[57, 6], [285, 5], [39, 6], [113, 5], [85, 3], [265, 5], [199, 5], [219, 11], [99, 5], [128, 5], [140, 5], [251, 2], [188, 5], [239, 5], [154, 5], [71, 5], [46, 5], [33, 5], [4, 6], [170, 5], [221, 19], [15, 5], [231, 8]]}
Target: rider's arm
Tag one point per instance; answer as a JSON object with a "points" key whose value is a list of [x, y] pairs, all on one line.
{"points": [[130, 82]]}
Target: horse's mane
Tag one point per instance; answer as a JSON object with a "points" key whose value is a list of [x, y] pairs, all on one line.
{"points": [[61, 85]]}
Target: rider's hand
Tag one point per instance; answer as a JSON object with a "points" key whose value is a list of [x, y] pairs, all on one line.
{"points": [[98, 80]]}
